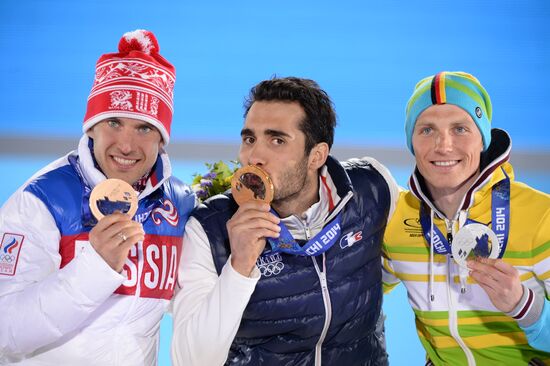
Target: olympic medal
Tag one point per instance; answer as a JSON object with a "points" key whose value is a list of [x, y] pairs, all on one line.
{"points": [[113, 195], [474, 240], [252, 183]]}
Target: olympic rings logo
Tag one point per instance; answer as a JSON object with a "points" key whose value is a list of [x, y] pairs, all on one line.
{"points": [[271, 269], [7, 258]]}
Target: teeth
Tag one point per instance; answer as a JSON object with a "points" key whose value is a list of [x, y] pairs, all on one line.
{"points": [[445, 163], [124, 161]]}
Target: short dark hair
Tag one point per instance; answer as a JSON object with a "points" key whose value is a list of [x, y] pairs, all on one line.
{"points": [[320, 121]]}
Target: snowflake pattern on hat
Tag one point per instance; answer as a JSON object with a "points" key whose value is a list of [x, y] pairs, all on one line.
{"points": [[137, 82]]}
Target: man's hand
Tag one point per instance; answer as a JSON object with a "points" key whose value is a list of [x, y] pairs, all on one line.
{"points": [[113, 236], [499, 280], [247, 230]]}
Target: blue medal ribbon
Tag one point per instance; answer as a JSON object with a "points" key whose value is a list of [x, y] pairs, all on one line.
{"points": [[500, 220], [319, 244]]}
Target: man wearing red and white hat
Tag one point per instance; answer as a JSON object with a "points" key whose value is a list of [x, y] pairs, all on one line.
{"points": [[78, 290]]}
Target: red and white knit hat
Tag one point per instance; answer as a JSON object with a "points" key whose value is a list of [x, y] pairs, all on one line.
{"points": [[137, 82]]}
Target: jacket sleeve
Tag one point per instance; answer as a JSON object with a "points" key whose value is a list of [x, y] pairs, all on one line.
{"points": [[389, 277], [538, 333], [41, 303], [207, 308], [533, 310], [393, 187]]}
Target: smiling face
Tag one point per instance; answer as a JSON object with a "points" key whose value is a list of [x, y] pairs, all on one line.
{"points": [[447, 146], [272, 140], [125, 148]]}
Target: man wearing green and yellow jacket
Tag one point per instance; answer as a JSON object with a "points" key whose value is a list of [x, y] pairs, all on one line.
{"points": [[471, 244]]}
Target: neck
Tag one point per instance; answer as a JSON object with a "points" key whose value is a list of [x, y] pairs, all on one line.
{"points": [[299, 202], [448, 200]]}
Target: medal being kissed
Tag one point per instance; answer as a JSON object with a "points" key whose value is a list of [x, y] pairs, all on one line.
{"points": [[113, 195], [252, 183]]}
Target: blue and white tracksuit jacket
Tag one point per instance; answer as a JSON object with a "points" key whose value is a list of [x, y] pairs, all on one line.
{"points": [[60, 302]]}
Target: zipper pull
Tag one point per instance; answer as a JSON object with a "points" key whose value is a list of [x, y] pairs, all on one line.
{"points": [[463, 275], [323, 280], [449, 225], [450, 241]]}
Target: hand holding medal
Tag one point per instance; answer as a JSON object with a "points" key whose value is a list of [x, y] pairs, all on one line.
{"points": [[252, 183], [114, 202], [253, 222]]}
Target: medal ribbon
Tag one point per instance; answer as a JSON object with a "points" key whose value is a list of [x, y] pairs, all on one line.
{"points": [[500, 219], [320, 243]]}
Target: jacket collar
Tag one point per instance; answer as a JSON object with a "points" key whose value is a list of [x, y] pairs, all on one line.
{"points": [[335, 190], [338, 176]]}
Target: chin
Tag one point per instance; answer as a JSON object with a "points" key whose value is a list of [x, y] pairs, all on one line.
{"points": [[448, 185], [128, 180]]}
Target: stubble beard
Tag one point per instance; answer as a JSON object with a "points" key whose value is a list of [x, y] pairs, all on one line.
{"points": [[293, 184]]}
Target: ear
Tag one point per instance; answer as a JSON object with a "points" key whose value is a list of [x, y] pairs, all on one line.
{"points": [[318, 155], [91, 133]]}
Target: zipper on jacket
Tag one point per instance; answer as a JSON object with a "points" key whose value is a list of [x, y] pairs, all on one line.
{"points": [[328, 308], [323, 278], [307, 232]]}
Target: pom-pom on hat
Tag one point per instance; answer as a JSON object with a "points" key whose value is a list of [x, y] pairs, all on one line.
{"points": [[458, 88], [137, 82]]}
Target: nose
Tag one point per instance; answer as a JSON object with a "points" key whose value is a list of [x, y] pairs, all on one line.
{"points": [[253, 154], [443, 142], [125, 140]]}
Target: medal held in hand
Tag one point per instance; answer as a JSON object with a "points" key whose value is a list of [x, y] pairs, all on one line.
{"points": [[472, 241], [113, 195], [252, 183]]}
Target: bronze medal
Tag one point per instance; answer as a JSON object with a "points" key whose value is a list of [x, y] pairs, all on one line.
{"points": [[113, 195], [252, 183]]}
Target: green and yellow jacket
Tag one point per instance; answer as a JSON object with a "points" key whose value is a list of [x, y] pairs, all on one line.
{"points": [[455, 319]]}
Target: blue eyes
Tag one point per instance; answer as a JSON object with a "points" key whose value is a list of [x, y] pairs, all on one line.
{"points": [[113, 124], [458, 130], [117, 124]]}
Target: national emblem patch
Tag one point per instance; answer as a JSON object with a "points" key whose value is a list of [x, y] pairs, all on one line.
{"points": [[9, 253]]}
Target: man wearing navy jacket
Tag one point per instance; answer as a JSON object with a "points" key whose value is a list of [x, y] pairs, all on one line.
{"points": [[245, 302]]}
